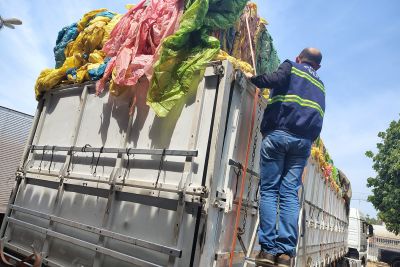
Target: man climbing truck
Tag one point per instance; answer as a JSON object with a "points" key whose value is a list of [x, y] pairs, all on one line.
{"points": [[292, 121]]}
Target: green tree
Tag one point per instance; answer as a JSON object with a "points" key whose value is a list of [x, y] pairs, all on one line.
{"points": [[386, 185], [373, 221]]}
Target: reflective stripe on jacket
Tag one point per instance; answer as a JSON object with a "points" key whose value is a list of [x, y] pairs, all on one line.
{"points": [[298, 107]]}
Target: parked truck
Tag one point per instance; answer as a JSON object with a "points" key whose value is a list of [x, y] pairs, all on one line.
{"points": [[384, 246], [14, 131], [99, 185], [359, 232]]}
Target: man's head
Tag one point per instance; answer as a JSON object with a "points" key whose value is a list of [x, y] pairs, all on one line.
{"points": [[311, 56]]}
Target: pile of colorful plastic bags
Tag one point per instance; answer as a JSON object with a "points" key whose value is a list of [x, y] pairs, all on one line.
{"points": [[78, 51], [235, 42], [185, 54], [168, 42], [326, 165], [135, 43]]}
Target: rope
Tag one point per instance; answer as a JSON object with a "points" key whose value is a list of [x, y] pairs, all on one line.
{"points": [[251, 43], [253, 115]]}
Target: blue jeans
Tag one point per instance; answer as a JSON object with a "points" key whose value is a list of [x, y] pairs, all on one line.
{"points": [[282, 161]]}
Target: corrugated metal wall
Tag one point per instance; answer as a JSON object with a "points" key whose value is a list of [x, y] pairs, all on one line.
{"points": [[14, 131]]}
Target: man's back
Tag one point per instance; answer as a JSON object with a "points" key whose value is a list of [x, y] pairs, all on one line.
{"points": [[298, 105]]}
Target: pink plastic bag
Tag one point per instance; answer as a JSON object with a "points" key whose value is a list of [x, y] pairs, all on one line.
{"points": [[134, 42]]}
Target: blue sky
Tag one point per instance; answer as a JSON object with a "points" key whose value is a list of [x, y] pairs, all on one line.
{"points": [[359, 41]]}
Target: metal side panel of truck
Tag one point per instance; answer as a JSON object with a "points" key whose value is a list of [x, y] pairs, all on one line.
{"points": [[324, 221], [100, 186], [14, 131]]}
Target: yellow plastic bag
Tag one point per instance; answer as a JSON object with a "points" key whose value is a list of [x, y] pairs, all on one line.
{"points": [[82, 54], [237, 63], [109, 27], [97, 56], [88, 17]]}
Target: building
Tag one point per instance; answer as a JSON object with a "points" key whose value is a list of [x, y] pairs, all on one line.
{"points": [[14, 131]]}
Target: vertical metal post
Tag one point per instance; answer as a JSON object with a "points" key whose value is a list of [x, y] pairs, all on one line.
{"points": [[61, 187], [187, 171], [98, 259], [35, 123], [252, 240], [38, 131]]}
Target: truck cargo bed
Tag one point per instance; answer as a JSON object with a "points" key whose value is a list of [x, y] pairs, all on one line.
{"points": [[100, 186]]}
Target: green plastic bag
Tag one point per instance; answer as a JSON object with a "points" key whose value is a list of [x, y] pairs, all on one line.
{"points": [[183, 58], [222, 14], [185, 54], [267, 57]]}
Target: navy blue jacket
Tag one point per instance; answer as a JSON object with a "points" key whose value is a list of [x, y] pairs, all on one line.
{"points": [[297, 100]]}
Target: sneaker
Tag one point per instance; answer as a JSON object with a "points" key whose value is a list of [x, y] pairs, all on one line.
{"points": [[265, 259], [284, 260]]}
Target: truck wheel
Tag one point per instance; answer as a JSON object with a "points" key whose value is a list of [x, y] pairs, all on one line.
{"points": [[396, 263]]}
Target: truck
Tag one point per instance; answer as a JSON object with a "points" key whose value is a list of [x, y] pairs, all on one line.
{"points": [[359, 232], [384, 246], [14, 131], [99, 185]]}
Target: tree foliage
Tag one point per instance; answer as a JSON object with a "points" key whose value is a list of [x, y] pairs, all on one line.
{"points": [[373, 221], [386, 185]]}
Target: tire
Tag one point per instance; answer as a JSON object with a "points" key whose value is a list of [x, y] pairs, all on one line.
{"points": [[396, 263]]}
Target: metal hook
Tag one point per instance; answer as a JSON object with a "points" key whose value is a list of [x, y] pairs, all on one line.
{"points": [[84, 150], [52, 155], [127, 166], [160, 166], [41, 160], [97, 162], [70, 152]]}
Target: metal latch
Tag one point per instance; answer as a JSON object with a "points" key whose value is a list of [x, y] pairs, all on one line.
{"points": [[224, 200]]}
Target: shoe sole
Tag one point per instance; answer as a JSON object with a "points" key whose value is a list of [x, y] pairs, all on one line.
{"points": [[282, 265], [265, 264]]}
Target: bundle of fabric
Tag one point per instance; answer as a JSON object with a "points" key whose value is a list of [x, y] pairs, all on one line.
{"points": [[326, 165], [168, 42], [135, 42], [65, 36], [184, 55], [78, 51], [235, 41]]}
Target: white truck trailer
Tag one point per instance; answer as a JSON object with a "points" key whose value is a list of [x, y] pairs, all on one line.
{"points": [[359, 232], [14, 131], [100, 186]]}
